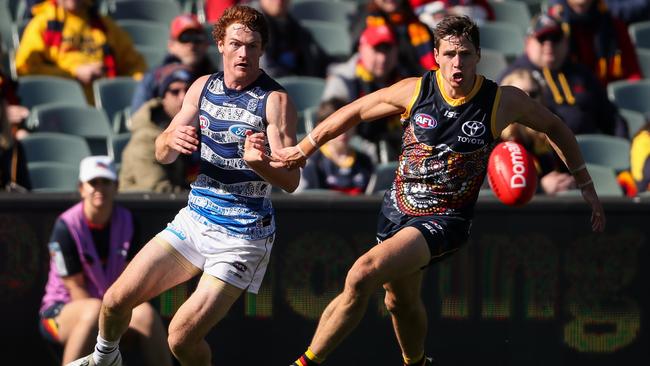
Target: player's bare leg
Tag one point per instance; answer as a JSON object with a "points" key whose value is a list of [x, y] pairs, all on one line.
{"points": [[404, 253], [408, 315], [208, 304]]}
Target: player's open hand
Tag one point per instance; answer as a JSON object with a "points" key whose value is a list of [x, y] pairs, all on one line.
{"points": [[289, 157], [254, 147], [597, 213], [183, 139]]}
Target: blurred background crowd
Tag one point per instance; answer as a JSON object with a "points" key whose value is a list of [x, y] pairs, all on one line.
{"points": [[105, 77]]}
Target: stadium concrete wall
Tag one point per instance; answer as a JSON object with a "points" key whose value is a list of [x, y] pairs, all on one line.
{"points": [[533, 286]]}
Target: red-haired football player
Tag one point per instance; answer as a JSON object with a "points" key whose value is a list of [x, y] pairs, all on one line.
{"points": [[452, 118]]}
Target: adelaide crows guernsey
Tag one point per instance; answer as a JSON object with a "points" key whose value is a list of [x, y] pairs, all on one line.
{"points": [[227, 194], [445, 150]]}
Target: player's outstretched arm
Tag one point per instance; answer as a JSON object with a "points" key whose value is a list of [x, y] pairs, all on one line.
{"points": [[517, 106], [181, 137], [280, 133], [381, 103]]}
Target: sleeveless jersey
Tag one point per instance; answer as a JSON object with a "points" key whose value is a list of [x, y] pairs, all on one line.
{"points": [[445, 150], [227, 195]]}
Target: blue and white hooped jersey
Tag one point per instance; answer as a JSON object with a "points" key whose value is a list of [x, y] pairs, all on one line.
{"points": [[227, 194]]}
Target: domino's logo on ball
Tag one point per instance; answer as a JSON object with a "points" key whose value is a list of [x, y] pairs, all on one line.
{"points": [[512, 174], [425, 121]]}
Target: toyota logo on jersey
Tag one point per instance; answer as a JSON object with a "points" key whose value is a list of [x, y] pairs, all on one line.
{"points": [[425, 121], [473, 128]]}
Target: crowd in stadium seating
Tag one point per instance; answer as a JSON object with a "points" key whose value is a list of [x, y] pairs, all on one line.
{"points": [[584, 59]]}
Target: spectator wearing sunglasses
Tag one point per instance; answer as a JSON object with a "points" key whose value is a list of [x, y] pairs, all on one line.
{"points": [[188, 45], [140, 171], [570, 90]]}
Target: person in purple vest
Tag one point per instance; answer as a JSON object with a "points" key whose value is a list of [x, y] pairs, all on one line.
{"points": [[90, 246]]}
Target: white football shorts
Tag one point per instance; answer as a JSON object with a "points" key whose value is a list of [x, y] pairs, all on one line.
{"points": [[239, 262]]}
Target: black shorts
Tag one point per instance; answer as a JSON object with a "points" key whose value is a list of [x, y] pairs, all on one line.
{"points": [[48, 326], [444, 234]]}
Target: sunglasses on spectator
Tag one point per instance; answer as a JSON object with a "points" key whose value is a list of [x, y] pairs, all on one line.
{"points": [[192, 37], [177, 91], [553, 37]]}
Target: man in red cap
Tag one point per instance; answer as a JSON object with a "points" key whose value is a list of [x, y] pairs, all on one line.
{"points": [[373, 67], [188, 45]]}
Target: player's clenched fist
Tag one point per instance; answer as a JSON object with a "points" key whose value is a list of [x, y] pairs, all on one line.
{"points": [[254, 147], [183, 139]]}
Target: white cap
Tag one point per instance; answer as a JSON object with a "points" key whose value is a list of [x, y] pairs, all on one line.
{"points": [[100, 166]]}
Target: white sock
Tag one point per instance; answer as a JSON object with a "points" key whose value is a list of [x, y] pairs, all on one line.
{"points": [[105, 351]]}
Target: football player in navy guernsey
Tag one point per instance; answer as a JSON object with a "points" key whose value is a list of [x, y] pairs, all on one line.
{"points": [[237, 118], [451, 118]]}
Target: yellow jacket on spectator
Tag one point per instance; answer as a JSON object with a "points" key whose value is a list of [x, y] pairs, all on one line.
{"points": [[57, 42]]}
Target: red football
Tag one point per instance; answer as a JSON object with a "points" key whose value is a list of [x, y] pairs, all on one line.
{"points": [[512, 174]]}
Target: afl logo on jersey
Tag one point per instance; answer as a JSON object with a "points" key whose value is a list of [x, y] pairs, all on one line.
{"points": [[425, 121], [239, 130], [203, 122]]}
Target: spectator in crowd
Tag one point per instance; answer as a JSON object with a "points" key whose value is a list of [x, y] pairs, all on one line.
{"points": [[140, 170], [598, 40], [640, 159], [69, 38], [374, 66], [569, 89], [90, 244], [432, 11], [16, 113], [188, 45], [336, 165], [14, 176], [554, 177], [630, 11], [291, 49], [414, 38]]}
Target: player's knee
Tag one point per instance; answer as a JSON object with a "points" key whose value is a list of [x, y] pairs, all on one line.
{"points": [[397, 306], [114, 302], [361, 277], [178, 344], [144, 315]]}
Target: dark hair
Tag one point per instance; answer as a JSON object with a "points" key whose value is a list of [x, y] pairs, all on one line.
{"points": [[457, 26], [245, 15], [327, 107]]}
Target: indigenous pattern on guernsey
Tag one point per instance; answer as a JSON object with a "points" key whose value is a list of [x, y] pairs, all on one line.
{"points": [[445, 150], [227, 194]]}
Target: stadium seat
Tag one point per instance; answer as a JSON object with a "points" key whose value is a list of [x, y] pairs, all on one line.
{"points": [[154, 10], [113, 96], [334, 39], [118, 143], [55, 147], [632, 95], [643, 56], [17, 30], [640, 34], [382, 177], [305, 91], [49, 177], [635, 120], [34, 90], [214, 56], [515, 12], [605, 182], [492, 64], [153, 56], [146, 33], [506, 38], [325, 10], [88, 122], [6, 22], [605, 150]]}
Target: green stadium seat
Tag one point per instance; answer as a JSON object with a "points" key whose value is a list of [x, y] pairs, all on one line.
{"points": [[305, 91], [605, 150], [640, 33], [55, 147], [118, 143], [113, 96], [515, 12], [382, 178], [87, 122], [153, 10], [34, 90], [635, 120], [632, 95], [334, 39], [492, 63], [146, 32], [325, 10], [51, 177], [643, 56], [503, 37]]}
